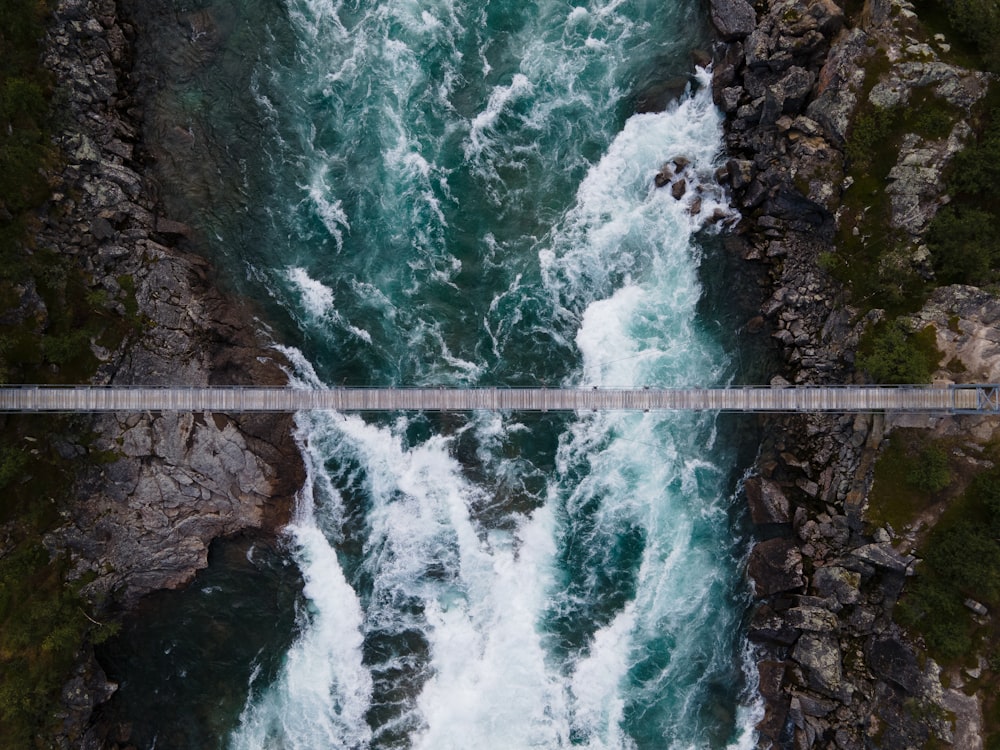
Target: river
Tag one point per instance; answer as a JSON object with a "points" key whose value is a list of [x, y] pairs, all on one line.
{"points": [[459, 193]]}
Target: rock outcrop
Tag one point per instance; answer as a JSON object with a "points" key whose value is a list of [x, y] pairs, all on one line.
{"points": [[835, 670], [172, 483]]}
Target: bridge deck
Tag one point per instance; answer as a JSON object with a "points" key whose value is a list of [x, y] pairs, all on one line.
{"points": [[949, 399]]}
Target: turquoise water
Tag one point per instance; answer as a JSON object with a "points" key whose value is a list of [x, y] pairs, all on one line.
{"points": [[446, 192]]}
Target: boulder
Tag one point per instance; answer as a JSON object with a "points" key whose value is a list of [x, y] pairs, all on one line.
{"points": [[741, 172], [767, 502], [734, 19], [813, 619], [776, 700], [835, 582], [770, 626], [883, 556], [775, 566], [820, 658], [890, 659], [799, 17], [838, 87], [795, 86]]}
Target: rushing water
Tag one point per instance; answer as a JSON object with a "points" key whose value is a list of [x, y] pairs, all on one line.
{"points": [[451, 192]]}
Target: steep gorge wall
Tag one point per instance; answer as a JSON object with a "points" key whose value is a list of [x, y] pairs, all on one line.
{"points": [[171, 483], [835, 670]]}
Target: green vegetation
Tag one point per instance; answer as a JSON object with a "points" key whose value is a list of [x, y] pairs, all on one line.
{"points": [[963, 238], [872, 259], [911, 474], [875, 262], [930, 473], [43, 620], [890, 354], [23, 110], [916, 475], [978, 21], [961, 560], [961, 557]]}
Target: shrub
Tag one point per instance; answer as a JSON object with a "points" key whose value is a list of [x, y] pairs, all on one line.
{"points": [[869, 132], [936, 610], [963, 245], [979, 22], [930, 472], [895, 356], [965, 555]]}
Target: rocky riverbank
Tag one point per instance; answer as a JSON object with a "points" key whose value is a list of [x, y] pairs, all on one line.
{"points": [[169, 484], [792, 75]]}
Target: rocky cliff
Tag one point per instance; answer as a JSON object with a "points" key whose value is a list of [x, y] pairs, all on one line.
{"points": [[792, 76], [171, 483]]}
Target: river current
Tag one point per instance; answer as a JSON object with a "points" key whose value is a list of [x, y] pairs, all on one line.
{"points": [[459, 193]]}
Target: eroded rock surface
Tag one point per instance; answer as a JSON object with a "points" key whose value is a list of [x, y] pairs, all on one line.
{"points": [[176, 481], [172, 482]]}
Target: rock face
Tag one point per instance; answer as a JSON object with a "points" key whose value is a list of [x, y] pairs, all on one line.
{"points": [[173, 482], [967, 322], [835, 670], [176, 481]]}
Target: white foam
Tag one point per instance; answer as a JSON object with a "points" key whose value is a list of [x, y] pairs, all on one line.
{"points": [[479, 141], [491, 685], [620, 268], [621, 221], [314, 296], [324, 690]]}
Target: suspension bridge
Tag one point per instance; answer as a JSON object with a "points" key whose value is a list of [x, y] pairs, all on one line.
{"points": [[949, 399]]}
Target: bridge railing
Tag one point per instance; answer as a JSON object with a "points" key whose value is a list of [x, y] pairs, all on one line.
{"points": [[973, 398]]}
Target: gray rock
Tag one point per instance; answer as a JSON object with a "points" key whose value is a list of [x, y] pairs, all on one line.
{"points": [[775, 565], [893, 661], [814, 705], [883, 556], [814, 619], [770, 626], [741, 172], [776, 701], [833, 581], [101, 229], [729, 99], [795, 87], [819, 656], [766, 500], [839, 85], [734, 19]]}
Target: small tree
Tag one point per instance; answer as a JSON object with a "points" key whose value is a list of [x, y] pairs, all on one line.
{"points": [[930, 473], [894, 358]]}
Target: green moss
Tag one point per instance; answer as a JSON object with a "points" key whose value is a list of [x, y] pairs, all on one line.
{"points": [[930, 473]]}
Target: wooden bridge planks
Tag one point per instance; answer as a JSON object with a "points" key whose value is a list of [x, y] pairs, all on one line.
{"points": [[982, 399]]}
